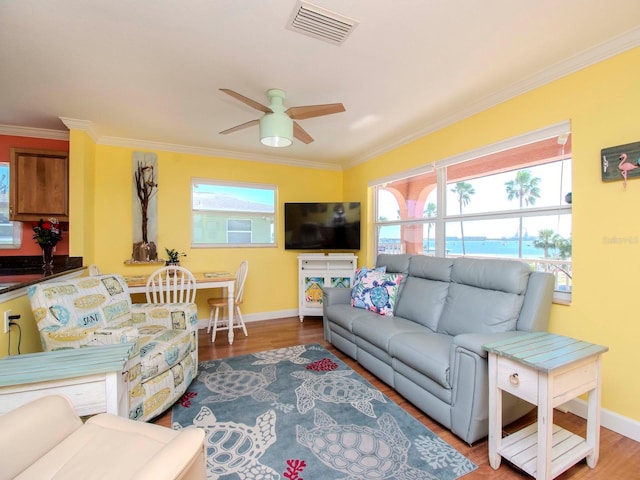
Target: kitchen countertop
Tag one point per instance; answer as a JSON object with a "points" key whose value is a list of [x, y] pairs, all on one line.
{"points": [[20, 272]]}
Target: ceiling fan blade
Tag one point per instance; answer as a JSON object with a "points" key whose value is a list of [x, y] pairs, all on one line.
{"points": [[310, 111], [301, 134], [240, 127], [247, 100]]}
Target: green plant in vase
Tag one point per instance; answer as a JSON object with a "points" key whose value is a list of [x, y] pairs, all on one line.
{"points": [[174, 256]]}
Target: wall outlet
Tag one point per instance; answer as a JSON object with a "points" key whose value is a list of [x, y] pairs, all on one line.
{"points": [[7, 314]]}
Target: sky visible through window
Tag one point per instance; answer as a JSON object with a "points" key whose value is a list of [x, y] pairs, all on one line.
{"points": [[491, 196]]}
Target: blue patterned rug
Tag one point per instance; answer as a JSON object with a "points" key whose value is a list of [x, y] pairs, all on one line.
{"points": [[300, 413]]}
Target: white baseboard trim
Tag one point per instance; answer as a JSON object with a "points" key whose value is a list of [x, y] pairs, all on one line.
{"points": [[613, 421], [256, 317]]}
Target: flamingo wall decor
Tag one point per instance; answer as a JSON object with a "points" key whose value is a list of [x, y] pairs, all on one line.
{"points": [[620, 163]]}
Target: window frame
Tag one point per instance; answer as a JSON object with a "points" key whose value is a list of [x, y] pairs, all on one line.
{"points": [[441, 219], [16, 227], [236, 214]]}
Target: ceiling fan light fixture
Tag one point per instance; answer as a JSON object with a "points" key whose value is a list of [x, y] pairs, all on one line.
{"points": [[276, 130]]}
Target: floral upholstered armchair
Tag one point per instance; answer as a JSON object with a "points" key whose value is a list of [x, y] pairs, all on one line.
{"points": [[97, 310]]}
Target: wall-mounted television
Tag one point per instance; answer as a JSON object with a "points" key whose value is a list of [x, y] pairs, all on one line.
{"points": [[322, 226]]}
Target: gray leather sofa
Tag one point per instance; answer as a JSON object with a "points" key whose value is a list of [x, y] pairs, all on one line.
{"points": [[431, 351]]}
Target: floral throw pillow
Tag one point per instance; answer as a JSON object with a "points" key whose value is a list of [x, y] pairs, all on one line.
{"points": [[362, 271], [376, 291]]}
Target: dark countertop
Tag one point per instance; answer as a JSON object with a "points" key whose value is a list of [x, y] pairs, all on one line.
{"points": [[19, 272]]}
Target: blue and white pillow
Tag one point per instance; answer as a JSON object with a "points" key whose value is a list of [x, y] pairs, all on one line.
{"points": [[376, 291]]}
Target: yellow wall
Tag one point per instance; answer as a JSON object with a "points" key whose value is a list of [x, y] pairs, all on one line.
{"points": [[28, 338], [602, 102], [271, 283]]}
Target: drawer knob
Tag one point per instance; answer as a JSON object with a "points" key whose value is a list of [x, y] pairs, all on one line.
{"points": [[514, 380]]}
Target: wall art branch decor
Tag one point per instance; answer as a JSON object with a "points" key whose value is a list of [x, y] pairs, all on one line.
{"points": [[620, 163], [145, 207]]}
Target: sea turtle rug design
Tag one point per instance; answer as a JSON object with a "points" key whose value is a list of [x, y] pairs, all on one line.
{"points": [[236, 448], [359, 451], [335, 387], [291, 354], [228, 384]]}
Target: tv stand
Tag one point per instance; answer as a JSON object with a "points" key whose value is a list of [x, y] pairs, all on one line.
{"points": [[317, 270]]}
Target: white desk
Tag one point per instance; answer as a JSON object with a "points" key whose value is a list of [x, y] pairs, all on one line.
{"points": [[203, 280], [90, 377]]}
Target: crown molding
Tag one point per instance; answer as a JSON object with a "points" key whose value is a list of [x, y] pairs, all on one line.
{"points": [[82, 125], [615, 46], [34, 132], [87, 126], [214, 152]]}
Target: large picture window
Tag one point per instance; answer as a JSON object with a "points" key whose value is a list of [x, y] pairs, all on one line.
{"points": [[509, 200], [232, 214]]}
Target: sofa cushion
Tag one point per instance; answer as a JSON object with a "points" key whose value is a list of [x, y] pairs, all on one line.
{"points": [[378, 330], [509, 276], [478, 310], [376, 291], [426, 352], [162, 348], [343, 315], [485, 296], [431, 268], [422, 301]]}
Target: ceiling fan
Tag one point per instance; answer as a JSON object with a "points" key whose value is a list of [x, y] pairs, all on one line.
{"points": [[278, 126]]}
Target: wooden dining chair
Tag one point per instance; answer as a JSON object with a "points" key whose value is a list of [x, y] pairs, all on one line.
{"points": [[171, 284], [217, 304]]}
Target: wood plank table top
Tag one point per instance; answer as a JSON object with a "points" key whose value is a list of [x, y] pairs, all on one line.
{"points": [[545, 351], [59, 364]]}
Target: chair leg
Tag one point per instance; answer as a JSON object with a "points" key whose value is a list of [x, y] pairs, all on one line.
{"points": [[215, 326], [241, 321], [210, 319]]}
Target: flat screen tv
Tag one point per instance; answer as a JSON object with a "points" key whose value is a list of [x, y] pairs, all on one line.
{"points": [[322, 226]]}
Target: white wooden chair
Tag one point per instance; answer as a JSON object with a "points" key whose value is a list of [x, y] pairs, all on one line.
{"points": [[171, 284], [218, 304]]}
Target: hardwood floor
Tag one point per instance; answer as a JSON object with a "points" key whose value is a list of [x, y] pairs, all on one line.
{"points": [[619, 456]]}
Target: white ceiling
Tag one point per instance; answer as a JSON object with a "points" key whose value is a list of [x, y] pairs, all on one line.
{"points": [[148, 71]]}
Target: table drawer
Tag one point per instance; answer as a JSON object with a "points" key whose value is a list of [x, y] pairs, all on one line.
{"points": [[517, 379]]}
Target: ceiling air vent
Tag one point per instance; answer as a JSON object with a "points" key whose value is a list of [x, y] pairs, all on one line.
{"points": [[319, 23]]}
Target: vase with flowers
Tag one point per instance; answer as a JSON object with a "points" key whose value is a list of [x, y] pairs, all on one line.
{"points": [[47, 234]]}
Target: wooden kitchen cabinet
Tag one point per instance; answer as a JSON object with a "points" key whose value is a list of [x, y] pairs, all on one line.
{"points": [[39, 184]]}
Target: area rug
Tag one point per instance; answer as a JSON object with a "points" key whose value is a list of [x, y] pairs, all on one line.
{"points": [[300, 413]]}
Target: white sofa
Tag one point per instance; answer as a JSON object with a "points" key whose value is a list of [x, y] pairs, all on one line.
{"points": [[45, 440]]}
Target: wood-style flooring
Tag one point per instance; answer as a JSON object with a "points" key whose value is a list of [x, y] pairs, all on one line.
{"points": [[619, 455]]}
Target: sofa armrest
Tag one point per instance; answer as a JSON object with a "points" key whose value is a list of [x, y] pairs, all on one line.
{"points": [[32, 430], [474, 341], [177, 316], [181, 458], [335, 296]]}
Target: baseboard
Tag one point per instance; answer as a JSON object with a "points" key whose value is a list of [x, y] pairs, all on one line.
{"points": [[256, 317], [613, 421]]}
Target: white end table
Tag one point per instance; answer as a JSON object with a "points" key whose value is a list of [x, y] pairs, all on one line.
{"points": [[90, 377], [546, 370]]}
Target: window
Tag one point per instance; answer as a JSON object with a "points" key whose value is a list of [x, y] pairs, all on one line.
{"points": [[509, 200], [232, 214], [10, 232]]}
